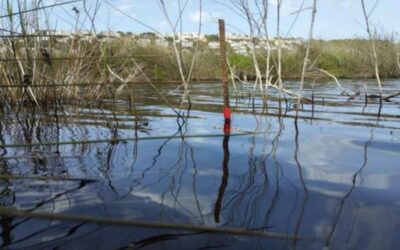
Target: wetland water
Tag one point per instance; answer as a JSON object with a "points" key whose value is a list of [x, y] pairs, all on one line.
{"points": [[331, 179]]}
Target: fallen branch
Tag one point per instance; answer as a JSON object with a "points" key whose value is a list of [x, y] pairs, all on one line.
{"points": [[300, 97], [386, 98]]}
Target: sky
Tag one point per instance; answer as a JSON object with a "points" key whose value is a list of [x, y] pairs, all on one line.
{"points": [[336, 19]]}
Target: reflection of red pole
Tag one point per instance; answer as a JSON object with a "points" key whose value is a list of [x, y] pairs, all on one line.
{"points": [[227, 127], [224, 72]]}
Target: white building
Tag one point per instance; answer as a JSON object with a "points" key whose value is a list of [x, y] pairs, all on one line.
{"points": [[213, 45], [239, 47], [161, 42], [144, 42]]}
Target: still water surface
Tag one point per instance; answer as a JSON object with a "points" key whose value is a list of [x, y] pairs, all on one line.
{"points": [[329, 177]]}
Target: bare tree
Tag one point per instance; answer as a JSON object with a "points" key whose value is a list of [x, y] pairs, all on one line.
{"points": [[308, 46], [91, 12], [185, 77], [245, 8], [255, 13], [372, 43]]}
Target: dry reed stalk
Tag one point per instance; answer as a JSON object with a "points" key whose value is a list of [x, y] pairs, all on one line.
{"points": [[278, 37], [176, 50]]}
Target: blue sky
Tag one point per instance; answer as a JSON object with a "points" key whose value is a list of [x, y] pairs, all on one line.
{"points": [[335, 18]]}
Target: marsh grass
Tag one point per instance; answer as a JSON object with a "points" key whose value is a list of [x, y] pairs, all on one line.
{"points": [[34, 61]]}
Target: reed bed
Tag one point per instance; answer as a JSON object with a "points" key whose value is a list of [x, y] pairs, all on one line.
{"points": [[38, 66]]}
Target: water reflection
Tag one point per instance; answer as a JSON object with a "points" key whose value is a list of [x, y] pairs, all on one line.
{"points": [[225, 170], [329, 173]]}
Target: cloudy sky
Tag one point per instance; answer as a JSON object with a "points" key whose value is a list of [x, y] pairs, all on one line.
{"points": [[335, 18]]}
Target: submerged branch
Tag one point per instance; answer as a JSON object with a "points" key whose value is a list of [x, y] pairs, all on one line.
{"points": [[148, 224], [338, 83], [45, 178]]}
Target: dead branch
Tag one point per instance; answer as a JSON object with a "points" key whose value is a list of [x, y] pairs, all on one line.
{"points": [[347, 93]]}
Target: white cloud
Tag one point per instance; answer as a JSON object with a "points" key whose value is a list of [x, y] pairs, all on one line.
{"points": [[125, 7], [291, 6], [162, 25], [205, 16]]}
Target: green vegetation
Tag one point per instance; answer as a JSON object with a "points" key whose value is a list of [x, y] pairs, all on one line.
{"points": [[343, 58]]}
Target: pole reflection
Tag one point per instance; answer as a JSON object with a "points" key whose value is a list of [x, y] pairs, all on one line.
{"points": [[225, 171]]}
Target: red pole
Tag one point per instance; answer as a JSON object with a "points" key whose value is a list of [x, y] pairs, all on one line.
{"points": [[224, 75]]}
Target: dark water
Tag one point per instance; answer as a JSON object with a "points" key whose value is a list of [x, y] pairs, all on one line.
{"points": [[331, 178]]}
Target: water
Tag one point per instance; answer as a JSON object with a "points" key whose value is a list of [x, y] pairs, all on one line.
{"points": [[330, 179]]}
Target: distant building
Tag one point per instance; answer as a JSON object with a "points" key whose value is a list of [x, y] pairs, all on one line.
{"points": [[161, 42], [239, 47], [144, 42], [213, 45], [185, 43]]}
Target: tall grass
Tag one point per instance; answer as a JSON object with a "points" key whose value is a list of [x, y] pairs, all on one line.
{"points": [[34, 61]]}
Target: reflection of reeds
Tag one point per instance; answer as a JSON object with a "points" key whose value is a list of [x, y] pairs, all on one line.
{"points": [[350, 191], [303, 184], [116, 140]]}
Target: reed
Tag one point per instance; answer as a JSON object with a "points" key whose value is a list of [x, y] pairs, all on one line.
{"points": [[33, 56]]}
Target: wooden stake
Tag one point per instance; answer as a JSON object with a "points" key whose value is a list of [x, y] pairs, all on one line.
{"points": [[224, 69]]}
